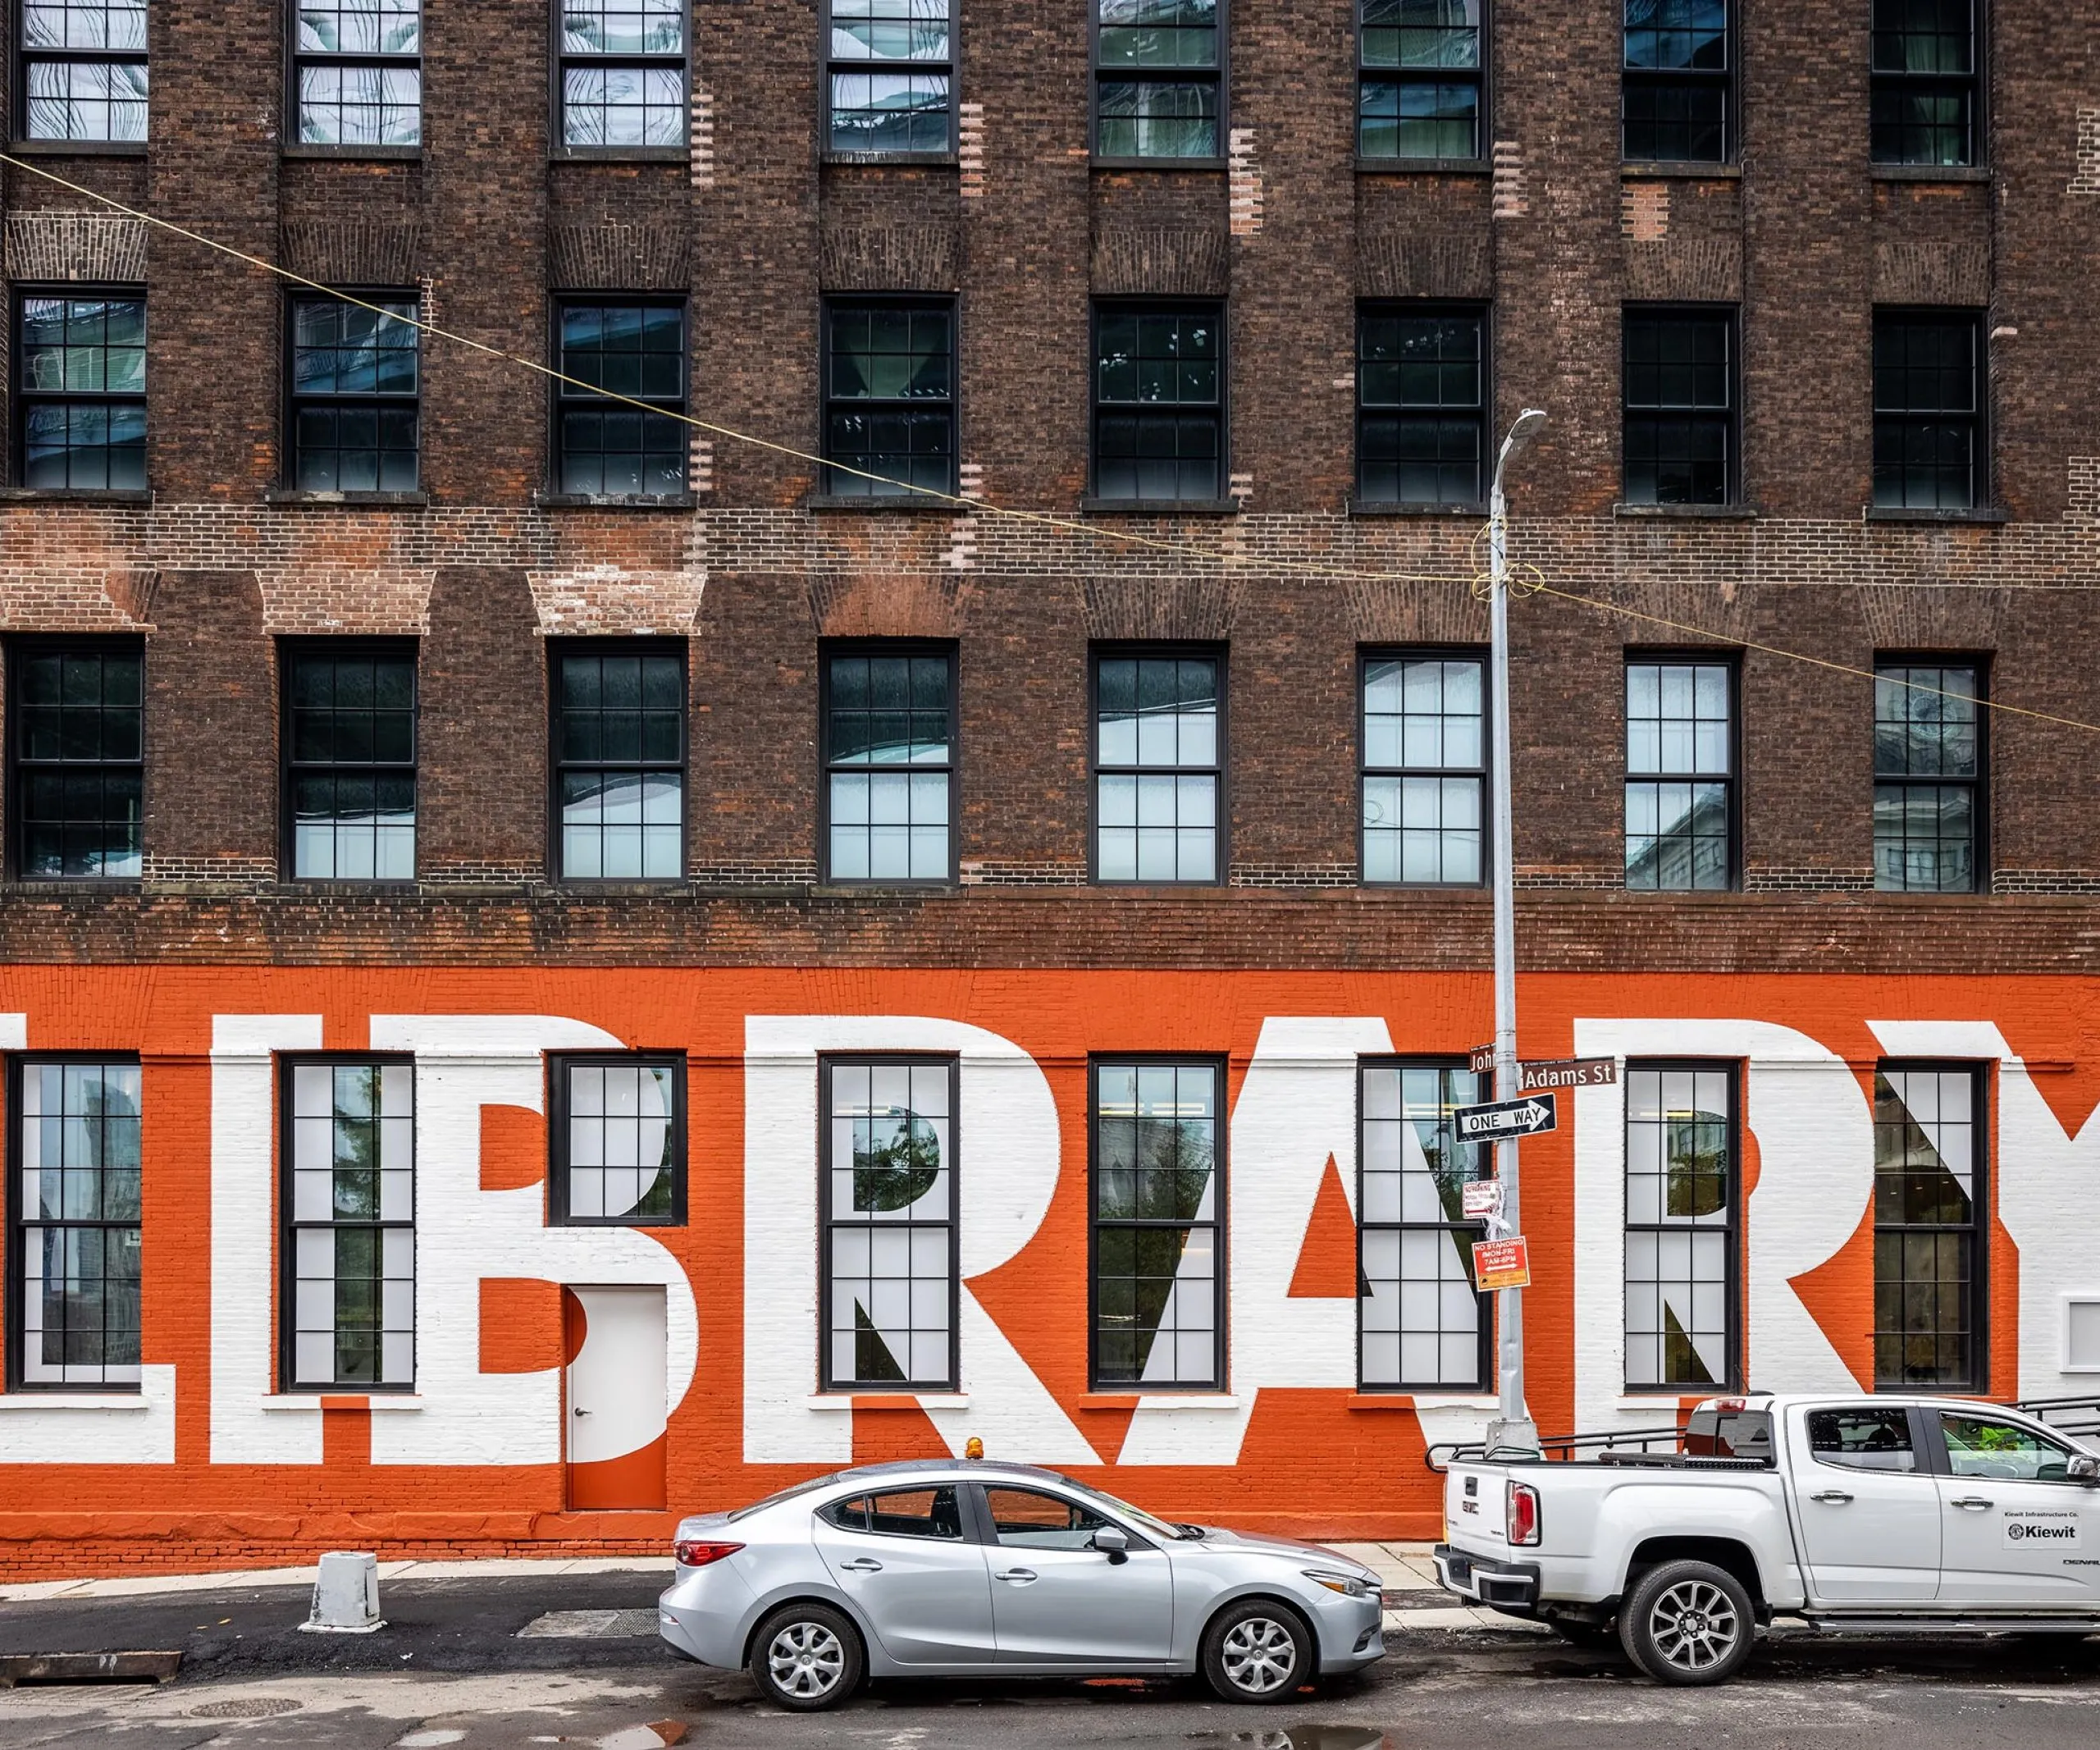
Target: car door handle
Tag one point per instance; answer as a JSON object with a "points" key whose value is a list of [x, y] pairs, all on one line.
{"points": [[582, 1411], [1017, 1576], [861, 1565], [1831, 1497], [1971, 1502]]}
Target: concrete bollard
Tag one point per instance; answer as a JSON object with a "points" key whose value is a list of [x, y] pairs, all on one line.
{"points": [[345, 1595]]}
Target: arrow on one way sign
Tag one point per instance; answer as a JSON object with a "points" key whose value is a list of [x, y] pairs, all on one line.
{"points": [[1492, 1123]]}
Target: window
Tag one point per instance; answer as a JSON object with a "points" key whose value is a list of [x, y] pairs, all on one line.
{"points": [[1421, 406], [1680, 1227], [1680, 789], [1928, 777], [889, 741], [350, 1264], [1680, 411], [610, 449], [1674, 95], [1923, 101], [1984, 1447], [1158, 767], [1158, 1221], [77, 759], [83, 69], [889, 70], [889, 396], [620, 763], [74, 1211], [350, 762], [1928, 1142], [1862, 1439], [623, 73], [901, 1513], [1425, 770], [888, 1209], [1927, 410], [1159, 403], [1157, 89], [80, 383], [1421, 1323], [354, 394], [1419, 78], [619, 1130], [357, 65], [1030, 1519]]}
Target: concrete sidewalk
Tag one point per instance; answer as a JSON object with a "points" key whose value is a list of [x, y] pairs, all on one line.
{"points": [[1405, 1569]]}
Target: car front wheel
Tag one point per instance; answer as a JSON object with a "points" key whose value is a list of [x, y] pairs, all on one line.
{"points": [[1688, 1622], [806, 1657], [1255, 1650]]}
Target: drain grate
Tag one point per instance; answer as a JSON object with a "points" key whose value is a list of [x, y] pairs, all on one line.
{"points": [[88, 1668], [245, 1707]]}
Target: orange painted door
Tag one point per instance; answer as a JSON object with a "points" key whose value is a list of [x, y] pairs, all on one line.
{"points": [[614, 1409]]}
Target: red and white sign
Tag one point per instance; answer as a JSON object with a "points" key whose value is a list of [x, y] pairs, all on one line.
{"points": [[1479, 1199], [1502, 1263]]}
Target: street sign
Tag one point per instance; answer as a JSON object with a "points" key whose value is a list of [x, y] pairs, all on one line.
{"points": [[1568, 1073], [1501, 1264], [1480, 1060], [1506, 1118], [1480, 1199]]}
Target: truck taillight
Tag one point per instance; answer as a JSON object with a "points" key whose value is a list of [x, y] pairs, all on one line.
{"points": [[1521, 1518], [692, 1553]]}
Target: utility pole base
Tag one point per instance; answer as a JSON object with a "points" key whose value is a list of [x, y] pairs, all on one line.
{"points": [[1518, 1439]]}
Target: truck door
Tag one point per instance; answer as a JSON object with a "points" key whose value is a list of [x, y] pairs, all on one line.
{"points": [[1869, 1514], [2015, 1530]]}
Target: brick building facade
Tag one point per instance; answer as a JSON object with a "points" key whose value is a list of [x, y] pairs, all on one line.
{"points": [[754, 964]]}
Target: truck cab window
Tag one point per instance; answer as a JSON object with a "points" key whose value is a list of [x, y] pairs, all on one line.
{"points": [[1979, 1446], [1862, 1439]]}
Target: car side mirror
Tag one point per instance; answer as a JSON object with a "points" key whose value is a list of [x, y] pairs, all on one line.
{"points": [[2082, 1467], [1113, 1543]]}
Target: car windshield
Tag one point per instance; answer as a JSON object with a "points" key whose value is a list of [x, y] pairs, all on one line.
{"points": [[786, 1494], [1146, 1521]]}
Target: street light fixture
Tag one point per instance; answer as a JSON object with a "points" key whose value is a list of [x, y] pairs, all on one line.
{"points": [[1512, 1429]]}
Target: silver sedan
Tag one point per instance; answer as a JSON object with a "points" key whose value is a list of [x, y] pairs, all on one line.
{"points": [[960, 1567]]}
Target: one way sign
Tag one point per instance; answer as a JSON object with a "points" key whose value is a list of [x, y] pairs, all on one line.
{"points": [[1525, 1117]]}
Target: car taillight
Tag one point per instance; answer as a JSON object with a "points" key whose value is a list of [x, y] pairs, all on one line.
{"points": [[693, 1553], [1523, 1516]]}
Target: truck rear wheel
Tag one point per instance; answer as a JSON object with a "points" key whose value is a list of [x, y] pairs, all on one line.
{"points": [[1688, 1622]]}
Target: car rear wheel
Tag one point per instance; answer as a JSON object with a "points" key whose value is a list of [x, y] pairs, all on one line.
{"points": [[806, 1657], [1257, 1652], [1688, 1622]]}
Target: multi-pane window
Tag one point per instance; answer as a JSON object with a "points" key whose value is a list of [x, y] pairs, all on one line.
{"points": [[619, 763], [1421, 1322], [1158, 768], [1425, 770], [1157, 89], [76, 760], [1681, 1191], [354, 394], [623, 72], [889, 396], [1680, 767], [74, 1204], [357, 65], [890, 70], [611, 448], [1928, 777], [80, 382], [1421, 406], [889, 742], [617, 1128], [350, 1262], [1928, 1213], [350, 762], [1158, 1204], [1924, 99], [1927, 410], [83, 69], [1419, 78], [1159, 402], [889, 1216], [1675, 91], [1679, 389]]}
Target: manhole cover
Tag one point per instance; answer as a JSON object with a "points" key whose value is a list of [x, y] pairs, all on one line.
{"points": [[245, 1707]]}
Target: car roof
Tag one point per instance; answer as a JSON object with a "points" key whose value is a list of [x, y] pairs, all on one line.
{"points": [[896, 1468], [1778, 1400]]}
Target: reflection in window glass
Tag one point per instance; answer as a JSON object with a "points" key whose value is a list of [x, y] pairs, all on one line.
{"points": [[1419, 83], [621, 1139], [1421, 419], [1675, 91], [1927, 1219], [83, 69], [78, 761], [1425, 760], [358, 72], [350, 760], [890, 756], [1983, 1447], [620, 743], [890, 71], [1159, 403], [1158, 765], [355, 395], [1862, 1439], [80, 377], [1156, 90], [609, 448], [1680, 1216], [1680, 755], [1927, 777], [889, 397]]}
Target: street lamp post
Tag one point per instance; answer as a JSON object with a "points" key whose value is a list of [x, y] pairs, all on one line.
{"points": [[1513, 1430]]}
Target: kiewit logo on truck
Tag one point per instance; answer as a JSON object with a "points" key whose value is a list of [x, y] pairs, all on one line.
{"points": [[2018, 1531]]}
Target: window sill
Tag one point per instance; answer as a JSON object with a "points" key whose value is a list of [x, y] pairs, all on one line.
{"points": [[315, 886], [1160, 507], [71, 1397], [1423, 167], [396, 1401], [297, 496], [83, 148], [1188, 1400], [1405, 1398], [1930, 172], [1098, 163], [618, 155], [1708, 512], [1687, 170], [1897, 513], [932, 159], [75, 495], [1379, 507], [101, 886], [886, 1400], [614, 501], [304, 149], [909, 504]]}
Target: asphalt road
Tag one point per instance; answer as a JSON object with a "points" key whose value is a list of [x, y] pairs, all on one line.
{"points": [[450, 1669]]}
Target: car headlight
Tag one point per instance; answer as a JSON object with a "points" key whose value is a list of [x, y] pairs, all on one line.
{"points": [[1349, 1585]]}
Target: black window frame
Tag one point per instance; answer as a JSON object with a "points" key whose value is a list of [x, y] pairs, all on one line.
{"points": [[1735, 1285], [827, 767], [20, 1223], [1982, 1209], [19, 647], [22, 397], [1477, 76], [1220, 1223], [828, 1382], [296, 58], [26, 57], [1977, 784], [829, 65], [1975, 322], [854, 488], [559, 1063], [1220, 75], [1727, 79], [562, 60], [1217, 310], [1125, 650], [1732, 661], [294, 401], [293, 651], [564, 398], [1369, 654], [1730, 419], [589, 646], [1973, 85], [1384, 309]]}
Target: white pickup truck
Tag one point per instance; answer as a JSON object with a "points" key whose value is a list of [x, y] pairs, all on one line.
{"points": [[1881, 1514]]}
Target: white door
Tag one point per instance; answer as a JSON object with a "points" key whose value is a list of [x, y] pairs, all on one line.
{"points": [[1869, 1512], [616, 1339], [2016, 1532]]}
